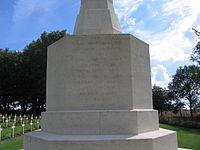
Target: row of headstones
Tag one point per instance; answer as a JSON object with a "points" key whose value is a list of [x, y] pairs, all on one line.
{"points": [[6, 119]]}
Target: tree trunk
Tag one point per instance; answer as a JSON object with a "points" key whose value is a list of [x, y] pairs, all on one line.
{"points": [[161, 112], [22, 105], [191, 112], [181, 113]]}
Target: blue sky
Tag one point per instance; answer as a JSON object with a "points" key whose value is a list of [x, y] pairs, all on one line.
{"points": [[164, 24]]}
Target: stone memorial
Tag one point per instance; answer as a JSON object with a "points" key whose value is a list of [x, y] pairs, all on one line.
{"points": [[13, 130], [99, 93], [23, 125]]}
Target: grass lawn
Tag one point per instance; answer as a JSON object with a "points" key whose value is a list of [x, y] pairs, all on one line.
{"points": [[6, 133], [12, 144], [187, 138]]}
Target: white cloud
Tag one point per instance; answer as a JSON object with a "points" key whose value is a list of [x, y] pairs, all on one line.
{"points": [[170, 46], [176, 7], [125, 8], [160, 77], [170, 43]]}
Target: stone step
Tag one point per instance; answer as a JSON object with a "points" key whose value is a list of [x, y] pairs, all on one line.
{"points": [[156, 140], [102, 122]]}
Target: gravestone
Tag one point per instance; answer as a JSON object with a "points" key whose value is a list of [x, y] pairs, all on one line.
{"points": [[1, 129], [23, 125], [13, 130], [99, 93]]}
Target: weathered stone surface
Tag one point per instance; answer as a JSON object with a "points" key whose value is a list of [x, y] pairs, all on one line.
{"points": [[156, 140], [100, 122], [98, 72], [97, 17], [99, 93], [99, 97]]}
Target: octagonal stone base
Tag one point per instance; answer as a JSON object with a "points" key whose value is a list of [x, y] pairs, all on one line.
{"points": [[100, 122], [157, 140]]}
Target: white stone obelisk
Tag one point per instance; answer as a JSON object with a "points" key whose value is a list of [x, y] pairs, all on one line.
{"points": [[97, 17], [99, 93]]}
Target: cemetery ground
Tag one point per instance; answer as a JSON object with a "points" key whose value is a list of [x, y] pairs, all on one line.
{"points": [[187, 138], [13, 127], [12, 144]]}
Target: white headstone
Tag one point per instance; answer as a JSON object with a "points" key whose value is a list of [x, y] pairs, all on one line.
{"points": [[38, 124], [97, 17], [21, 119], [13, 130], [3, 119], [31, 123], [1, 129], [6, 122], [23, 127]]}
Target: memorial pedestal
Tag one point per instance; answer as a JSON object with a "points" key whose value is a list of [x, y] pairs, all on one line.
{"points": [[99, 97], [156, 140]]}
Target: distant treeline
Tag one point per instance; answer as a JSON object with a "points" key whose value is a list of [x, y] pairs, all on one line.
{"points": [[23, 76], [184, 89], [183, 92]]}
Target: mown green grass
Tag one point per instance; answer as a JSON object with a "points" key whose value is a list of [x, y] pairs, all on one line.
{"points": [[12, 144], [4, 125], [17, 142], [187, 138], [7, 132]]}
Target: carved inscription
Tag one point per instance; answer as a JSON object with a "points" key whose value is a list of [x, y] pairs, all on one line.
{"points": [[95, 71], [90, 72]]}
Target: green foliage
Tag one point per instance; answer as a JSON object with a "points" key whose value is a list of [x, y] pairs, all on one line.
{"points": [[10, 77], [161, 99], [187, 138], [23, 75], [197, 107], [12, 144], [186, 85], [178, 106], [34, 70], [196, 53]]}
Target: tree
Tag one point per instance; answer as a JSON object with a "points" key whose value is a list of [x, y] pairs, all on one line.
{"points": [[23, 75], [186, 85], [161, 99], [178, 106], [197, 107], [10, 77], [196, 54], [34, 67]]}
